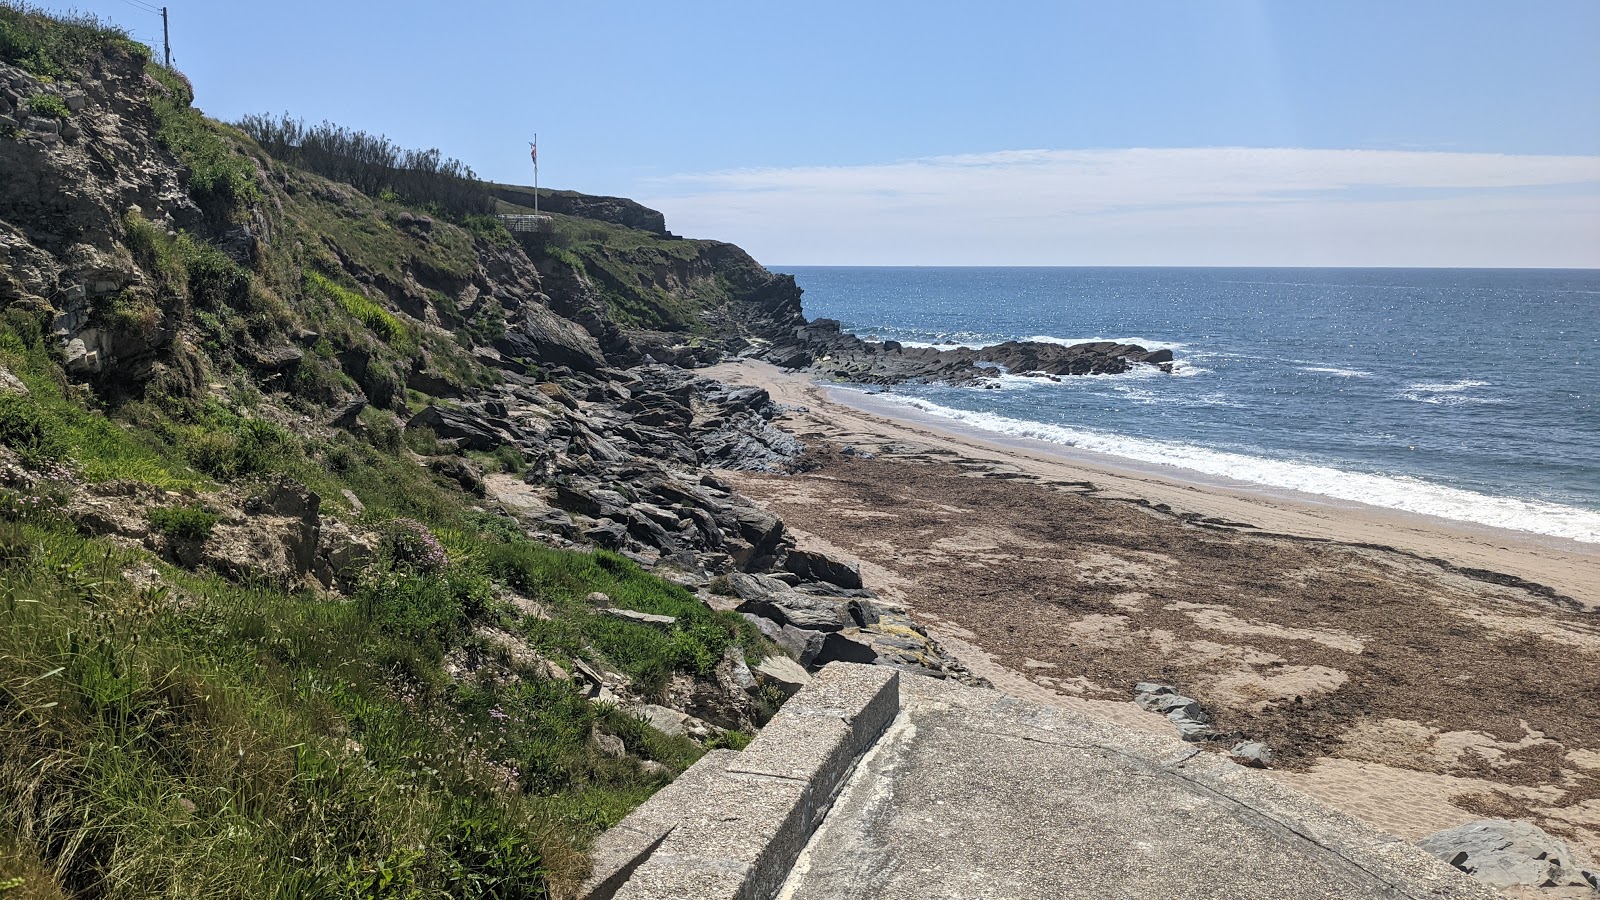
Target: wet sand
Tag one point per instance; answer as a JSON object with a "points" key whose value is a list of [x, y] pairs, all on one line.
{"points": [[1414, 672]]}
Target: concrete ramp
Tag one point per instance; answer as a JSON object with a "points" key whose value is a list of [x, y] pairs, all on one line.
{"points": [[874, 784]]}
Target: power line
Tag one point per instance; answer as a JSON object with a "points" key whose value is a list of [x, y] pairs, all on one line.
{"points": [[143, 6]]}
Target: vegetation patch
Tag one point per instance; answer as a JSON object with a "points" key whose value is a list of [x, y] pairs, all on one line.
{"points": [[186, 523], [50, 106], [55, 45], [221, 180], [373, 164], [377, 319]]}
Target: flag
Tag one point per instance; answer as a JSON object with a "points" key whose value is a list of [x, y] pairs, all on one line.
{"points": [[533, 151]]}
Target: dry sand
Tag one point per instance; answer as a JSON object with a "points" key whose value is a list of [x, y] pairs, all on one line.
{"points": [[1414, 672]]}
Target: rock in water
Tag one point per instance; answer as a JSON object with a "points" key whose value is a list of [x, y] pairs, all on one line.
{"points": [[1508, 854]]}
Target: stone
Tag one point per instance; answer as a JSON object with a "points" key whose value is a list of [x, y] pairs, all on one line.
{"points": [[662, 719], [597, 598], [1251, 753], [468, 430], [276, 359], [1509, 854], [783, 673], [541, 336], [608, 534], [609, 745], [356, 506], [838, 647], [801, 643], [664, 623], [75, 102], [812, 565], [466, 474], [1150, 687], [771, 629], [1177, 706], [11, 384], [1190, 730]]}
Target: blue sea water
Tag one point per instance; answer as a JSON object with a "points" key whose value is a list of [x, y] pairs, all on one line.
{"points": [[1469, 394]]}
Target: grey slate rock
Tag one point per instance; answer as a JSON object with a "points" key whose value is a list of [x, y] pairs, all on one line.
{"points": [[1251, 753], [814, 566], [1507, 854]]}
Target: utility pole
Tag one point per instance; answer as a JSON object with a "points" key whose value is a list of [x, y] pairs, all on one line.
{"points": [[166, 38]]}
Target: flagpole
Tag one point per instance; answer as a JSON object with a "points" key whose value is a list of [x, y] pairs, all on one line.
{"points": [[536, 173]]}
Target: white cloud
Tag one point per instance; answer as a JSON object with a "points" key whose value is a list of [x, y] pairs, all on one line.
{"points": [[1199, 206]]}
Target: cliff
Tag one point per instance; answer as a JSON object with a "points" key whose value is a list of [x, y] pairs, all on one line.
{"points": [[349, 541]]}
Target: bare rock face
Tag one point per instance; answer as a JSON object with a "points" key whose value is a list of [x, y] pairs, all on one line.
{"points": [[67, 188], [540, 336], [1510, 855]]}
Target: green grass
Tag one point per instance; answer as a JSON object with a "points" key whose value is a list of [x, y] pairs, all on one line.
{"points": [[48, 425], [54, 45], [207, 738], [377, 319], [649, 656], [221, 179]]}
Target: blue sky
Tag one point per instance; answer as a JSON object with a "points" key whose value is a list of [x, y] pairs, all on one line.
{"points": [[830, 132]]}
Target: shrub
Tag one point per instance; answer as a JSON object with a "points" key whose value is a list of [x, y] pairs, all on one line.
{"points": [[188, 523], [212, 278], [29, 433], [373, 164], [489, 228], [410, 543], [49, 106]]}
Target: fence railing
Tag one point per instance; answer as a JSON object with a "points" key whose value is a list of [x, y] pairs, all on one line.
{"points": [[528, 224]]}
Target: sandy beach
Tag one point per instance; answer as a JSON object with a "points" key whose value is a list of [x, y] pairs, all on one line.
{"points": [[1414, 672]]}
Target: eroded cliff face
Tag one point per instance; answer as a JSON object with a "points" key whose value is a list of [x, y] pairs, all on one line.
{"points": [[66, 188]]}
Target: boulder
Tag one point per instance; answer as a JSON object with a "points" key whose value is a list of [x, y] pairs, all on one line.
{"points": [[802, 644], [540, 336], [467, 430], [662, 719], [839, 647], [782, 673], [812, 565], [608, 534], [1509, 854], [801, 610], [466, 474], [11, 384]]}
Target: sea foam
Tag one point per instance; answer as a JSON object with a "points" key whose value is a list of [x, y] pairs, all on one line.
{"points": [[1388, 491]]}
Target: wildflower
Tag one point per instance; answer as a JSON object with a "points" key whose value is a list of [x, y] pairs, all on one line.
{"points": [[411, 543]]}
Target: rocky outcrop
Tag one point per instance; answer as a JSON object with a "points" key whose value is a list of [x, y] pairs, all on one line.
{"points": [[824, 348], [540, 336], [68, 185]]}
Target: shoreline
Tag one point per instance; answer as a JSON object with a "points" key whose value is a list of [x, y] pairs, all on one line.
{"points": [[1567, 568], [1414, 672]]}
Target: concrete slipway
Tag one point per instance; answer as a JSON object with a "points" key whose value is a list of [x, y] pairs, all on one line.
{"points": [[875, 784]]}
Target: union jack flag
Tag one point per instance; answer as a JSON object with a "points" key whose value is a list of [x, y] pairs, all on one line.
{"points": [[533, 151]]}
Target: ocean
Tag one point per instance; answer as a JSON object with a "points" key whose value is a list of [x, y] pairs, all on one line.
{"points": [[1468, 394]]}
